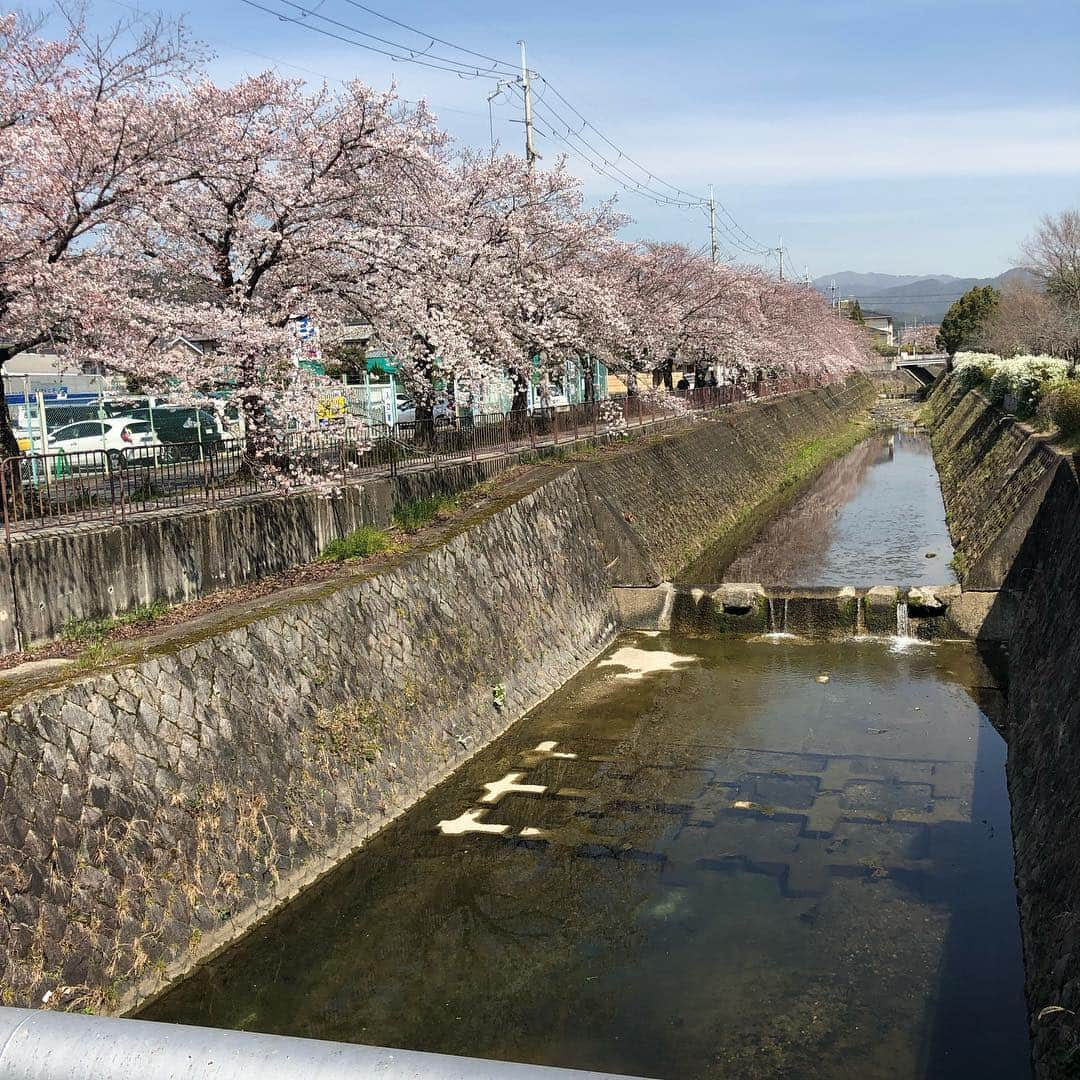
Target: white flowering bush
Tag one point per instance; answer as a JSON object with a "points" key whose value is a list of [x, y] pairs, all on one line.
{"points": [[1018, 382], [972, 368]]}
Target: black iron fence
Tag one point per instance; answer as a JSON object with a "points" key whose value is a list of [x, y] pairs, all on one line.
{"points": [[58, 489]]}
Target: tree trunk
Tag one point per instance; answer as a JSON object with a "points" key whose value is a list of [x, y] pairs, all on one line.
{"points": [[9, 445], [590, 383]]}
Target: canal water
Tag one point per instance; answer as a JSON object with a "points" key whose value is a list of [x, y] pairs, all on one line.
{"points": [[874, 516], [714, 858]]}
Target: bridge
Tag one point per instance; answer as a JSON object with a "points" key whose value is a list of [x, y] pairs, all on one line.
{"points": [[925, 368]]}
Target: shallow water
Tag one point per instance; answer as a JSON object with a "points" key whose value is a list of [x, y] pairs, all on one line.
{"points": [[870, 517], [742, 872]]}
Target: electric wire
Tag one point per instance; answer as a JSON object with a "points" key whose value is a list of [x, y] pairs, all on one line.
{"points": [[514, 68], [412, 58], [599, 161]]}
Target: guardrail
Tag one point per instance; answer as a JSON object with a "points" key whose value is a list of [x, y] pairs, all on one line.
{"points": [[44, 491], [67, 1046]]}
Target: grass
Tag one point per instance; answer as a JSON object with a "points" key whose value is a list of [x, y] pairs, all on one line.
{"points": [[97, 654], [813, 454], [414, 515], [367, 540], [94, 631]]}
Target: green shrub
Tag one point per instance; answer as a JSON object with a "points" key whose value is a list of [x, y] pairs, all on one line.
{"points": [[367, 540], [1062, 406], [418, 513]]}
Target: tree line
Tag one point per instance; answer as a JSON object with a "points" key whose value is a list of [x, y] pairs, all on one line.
{"points": [[141, 201]]}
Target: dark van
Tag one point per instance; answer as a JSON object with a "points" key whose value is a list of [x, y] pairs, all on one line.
{"points": [[180, 424]]}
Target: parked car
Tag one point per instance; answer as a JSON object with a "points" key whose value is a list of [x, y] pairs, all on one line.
{"points": [[442, 411], [183, 428], [123, 440]]}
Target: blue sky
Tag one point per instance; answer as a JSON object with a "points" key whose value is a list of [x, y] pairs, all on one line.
{"points": [[914, 137]]}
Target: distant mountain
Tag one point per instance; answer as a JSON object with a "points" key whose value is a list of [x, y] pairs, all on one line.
{"points": [[907, 298]]}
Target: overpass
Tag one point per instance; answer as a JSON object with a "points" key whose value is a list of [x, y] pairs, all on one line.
{"points": [[925, 368]]}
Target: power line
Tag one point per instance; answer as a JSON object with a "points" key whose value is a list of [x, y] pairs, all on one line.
{"points": [[738, 229], [432, 37], [411, 58], [582, 148], [654, 188]]}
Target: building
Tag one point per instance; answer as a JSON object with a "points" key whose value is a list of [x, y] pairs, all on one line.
{"points": [[880, 327]]}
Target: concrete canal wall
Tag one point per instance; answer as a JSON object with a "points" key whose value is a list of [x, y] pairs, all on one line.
{"points": [[682, 489], [155, 809], [657, 507], [1014, 511], [93, 571]]}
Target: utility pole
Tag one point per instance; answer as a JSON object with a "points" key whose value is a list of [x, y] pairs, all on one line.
{"points": [[780, 252], [526, 82], [833, 302], [712, 223], [806, 276]]}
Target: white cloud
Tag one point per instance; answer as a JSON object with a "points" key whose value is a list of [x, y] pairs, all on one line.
{"points": [[815, 146]]}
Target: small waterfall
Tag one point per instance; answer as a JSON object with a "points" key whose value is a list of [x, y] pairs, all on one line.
{"points": [[903, 620], [860, 618], [778, 620]]}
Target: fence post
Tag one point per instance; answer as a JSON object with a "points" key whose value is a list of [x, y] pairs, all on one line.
{"points": [[5, 495]]}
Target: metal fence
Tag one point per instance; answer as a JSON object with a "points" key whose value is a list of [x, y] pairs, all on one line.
{"points": [[42, 491]]}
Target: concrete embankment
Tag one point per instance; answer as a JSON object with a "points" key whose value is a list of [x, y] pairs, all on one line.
{"points": [[1014, 513], [155, 809], [657, 507], [95, 571], [92, 571]]}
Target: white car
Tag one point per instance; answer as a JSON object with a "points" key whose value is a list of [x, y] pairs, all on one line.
{"points": [[122, 439], [442, 413]]}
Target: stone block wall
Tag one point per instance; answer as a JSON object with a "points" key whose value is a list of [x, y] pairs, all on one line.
{"points": [[98, 570], [1014, 509], [1043, 722], [153, 811], [994, 476]]}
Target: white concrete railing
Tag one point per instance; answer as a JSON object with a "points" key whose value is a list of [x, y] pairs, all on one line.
{"points": [[67, 1046]]}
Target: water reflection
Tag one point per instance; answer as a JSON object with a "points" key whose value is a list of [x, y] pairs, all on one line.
{"points": [[870, 517], [732, 871]]}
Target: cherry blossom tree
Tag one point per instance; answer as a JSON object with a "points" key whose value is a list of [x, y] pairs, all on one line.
{"points": [[139, 203], [494, 279], [85, 125], [290, 205]]}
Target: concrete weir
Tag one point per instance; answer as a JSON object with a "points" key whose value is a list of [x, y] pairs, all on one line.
{"points": [[931, 613]]}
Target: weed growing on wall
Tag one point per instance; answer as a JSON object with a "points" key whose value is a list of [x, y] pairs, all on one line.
{"points": [[94, 631], [416, 514], [367, 540]]}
